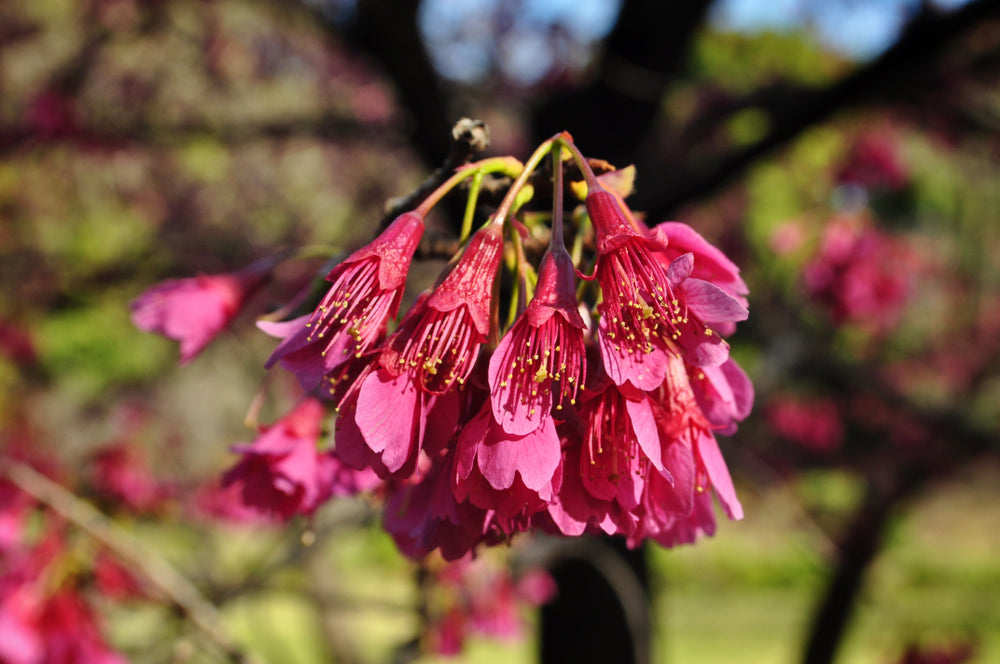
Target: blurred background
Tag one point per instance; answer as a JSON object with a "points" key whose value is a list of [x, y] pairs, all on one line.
{"points": [[845, 154]]}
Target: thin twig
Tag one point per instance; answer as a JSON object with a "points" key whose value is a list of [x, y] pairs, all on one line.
{"points": [[153, 567]]}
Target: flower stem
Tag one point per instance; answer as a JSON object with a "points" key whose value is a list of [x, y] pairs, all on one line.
{"points": [[558, 242], [566, 140], [470, 205], [529, 167], [506, 165]]}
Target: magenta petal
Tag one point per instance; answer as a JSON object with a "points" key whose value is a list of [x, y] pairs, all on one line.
{"points": [[469, 441], [644, 370], [644, 425], [388, 414], [742, 388], [711, 264], [718, 473], [514, 415], [680, 269], [704, 350], [351, 448], [535, 456], [680, 462], [710, 303]]}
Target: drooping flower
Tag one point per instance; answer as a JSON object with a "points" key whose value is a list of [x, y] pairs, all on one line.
{"points": [[620, 446], [194, 311], [513, 475], [431, 354], [351, 318], [542, 352], [284, 473], [638, 306], [438, 343]]}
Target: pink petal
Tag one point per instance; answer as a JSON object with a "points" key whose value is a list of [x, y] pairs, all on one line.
{"points": [[644, 425], [388, 416], [718, 473], [514, 416], [535, 456], [644, 370], [741, 386], [710, 263], [712, 304], [680, 269]]}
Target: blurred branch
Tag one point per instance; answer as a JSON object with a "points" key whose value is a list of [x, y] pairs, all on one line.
{"points": [[791, 114], [387, 31], [154, 568], [325, 127], [640, 59]]}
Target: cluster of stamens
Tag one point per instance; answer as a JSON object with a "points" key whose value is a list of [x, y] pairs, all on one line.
{"points": [[439, 350], [354, 305]]}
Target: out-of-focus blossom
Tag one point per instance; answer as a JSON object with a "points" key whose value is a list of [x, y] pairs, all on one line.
{"points": [[16, 345], [812, 423], [860, 274], [953, 653], [40, 624], [480, 596], [194, 311], [874, 163], [284, 473], [121, 473]]}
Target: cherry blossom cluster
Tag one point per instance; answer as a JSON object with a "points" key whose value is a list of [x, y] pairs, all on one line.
{"points": [[591, 407]]}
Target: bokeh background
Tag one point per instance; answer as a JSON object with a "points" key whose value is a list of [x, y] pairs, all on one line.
{"points": [[845, 154]]}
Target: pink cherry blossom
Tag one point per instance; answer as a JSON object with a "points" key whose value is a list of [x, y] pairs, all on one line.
{"points": [[351, 318], [425, 360], [542, 352], [194, 311], [284, 473]]}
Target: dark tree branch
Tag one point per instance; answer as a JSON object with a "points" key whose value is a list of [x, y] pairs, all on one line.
{"points": [[881, 80], [641, 56], [387, 30]]}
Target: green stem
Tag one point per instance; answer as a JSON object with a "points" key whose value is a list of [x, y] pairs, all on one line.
{"points": [[470, 205], [566, 140], [506, 165], [558, 242], [529, 167]]}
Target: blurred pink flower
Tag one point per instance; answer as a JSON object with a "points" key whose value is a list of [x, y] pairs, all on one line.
{"points": [[860, 274], [874, 162], [121, 473], [480, 596], [283, 473], [194, 311], [812, 423]]}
